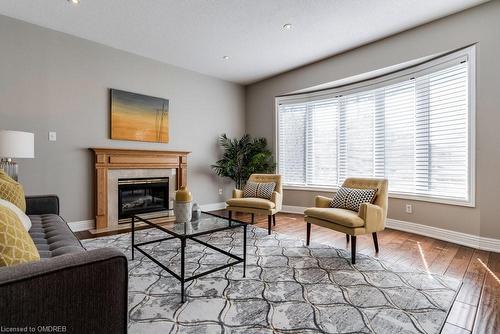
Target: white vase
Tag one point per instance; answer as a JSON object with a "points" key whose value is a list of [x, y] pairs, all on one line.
{"points": [[182, 211]]}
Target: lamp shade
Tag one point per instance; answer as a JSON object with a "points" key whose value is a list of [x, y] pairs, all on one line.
{"points": [[16, 144]]}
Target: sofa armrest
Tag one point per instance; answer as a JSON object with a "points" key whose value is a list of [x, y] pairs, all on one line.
{"points": [[41, 205], [322, 202], [277, 199], [86, 292], [237, 193], [373, 215]]}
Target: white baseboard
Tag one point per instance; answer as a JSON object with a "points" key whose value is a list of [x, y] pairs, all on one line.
{"points": [[83, 225], [470, 240], [213, 206]]}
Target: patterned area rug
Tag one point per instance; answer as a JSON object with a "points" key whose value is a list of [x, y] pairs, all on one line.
{"points": [[289, 288]]}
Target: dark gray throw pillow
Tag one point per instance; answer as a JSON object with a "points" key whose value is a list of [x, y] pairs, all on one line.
{"points": [[351, 198], [259, 189]]}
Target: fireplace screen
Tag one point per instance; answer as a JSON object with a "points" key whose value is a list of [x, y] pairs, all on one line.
{"points": [[139, 195]]}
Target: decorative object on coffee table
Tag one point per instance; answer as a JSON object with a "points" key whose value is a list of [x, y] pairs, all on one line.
{"points": [[196, 212], [15, 144], [138, 117], [182, 205]]}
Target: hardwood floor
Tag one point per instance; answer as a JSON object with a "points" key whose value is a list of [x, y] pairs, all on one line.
{"points": [[477, 306]]}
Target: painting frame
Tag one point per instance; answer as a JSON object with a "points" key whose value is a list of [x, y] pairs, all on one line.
{"points": [[138, 117]]}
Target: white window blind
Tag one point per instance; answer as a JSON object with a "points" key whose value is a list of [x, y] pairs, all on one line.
{"points": [[412, 128]]}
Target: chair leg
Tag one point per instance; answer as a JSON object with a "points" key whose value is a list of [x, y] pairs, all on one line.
{"points": [[308, 237], [274, 220], [353, 249], [269, 224], [347, 238], [375, 241], [230, 215], [253, 218]]}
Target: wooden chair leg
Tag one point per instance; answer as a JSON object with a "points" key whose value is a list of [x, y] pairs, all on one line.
{"points": [[375, 241], [253, 218], [347, 238], [308, 237], [353, 249], [230, 215], [274, 220], [269, 224]]}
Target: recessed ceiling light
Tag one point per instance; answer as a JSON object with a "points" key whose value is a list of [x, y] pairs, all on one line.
{"points": [[74, 2], [287, 26], [225, 57]]}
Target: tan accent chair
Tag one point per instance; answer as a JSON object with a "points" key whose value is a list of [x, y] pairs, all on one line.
{"points": [[370, 218], [253, 205]]}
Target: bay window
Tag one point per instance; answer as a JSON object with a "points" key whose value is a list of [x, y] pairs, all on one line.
{"points": [[414, 127]]}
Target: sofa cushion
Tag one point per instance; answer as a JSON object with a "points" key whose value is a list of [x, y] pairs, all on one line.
{"points": [[250, 202], [12, 191], [343, 217], [52, 236], [16, 245]]}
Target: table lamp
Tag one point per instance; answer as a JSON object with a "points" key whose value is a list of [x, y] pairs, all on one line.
{"points": [[15, 144]]}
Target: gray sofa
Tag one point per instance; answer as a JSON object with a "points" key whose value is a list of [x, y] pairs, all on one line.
{"points": [[82, 291]]}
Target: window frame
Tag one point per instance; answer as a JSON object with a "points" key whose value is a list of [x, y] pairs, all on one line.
{"points": [[400, 75]]}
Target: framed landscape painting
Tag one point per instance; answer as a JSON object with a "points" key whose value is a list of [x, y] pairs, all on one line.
{"points": [[138, 117]]}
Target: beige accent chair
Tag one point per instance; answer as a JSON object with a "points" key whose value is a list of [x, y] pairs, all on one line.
{"points": [[370, 218], [258, 205]]}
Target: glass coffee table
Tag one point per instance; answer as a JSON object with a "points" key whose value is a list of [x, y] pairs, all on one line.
{"points": [[206, 224]]}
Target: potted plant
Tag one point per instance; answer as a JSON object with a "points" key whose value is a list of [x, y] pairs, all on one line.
{"points": [[243, 157]]}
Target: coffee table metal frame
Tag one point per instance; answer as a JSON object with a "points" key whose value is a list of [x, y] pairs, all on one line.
{"points": [[183, 238]]}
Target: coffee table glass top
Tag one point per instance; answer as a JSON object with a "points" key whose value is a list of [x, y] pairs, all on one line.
{"points": [[207, 223]]}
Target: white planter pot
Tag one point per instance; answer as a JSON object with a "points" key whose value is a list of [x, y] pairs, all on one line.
{"points": [[182, 211]]}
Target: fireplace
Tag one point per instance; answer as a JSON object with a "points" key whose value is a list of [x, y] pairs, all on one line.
{"points": [[140, 195]]}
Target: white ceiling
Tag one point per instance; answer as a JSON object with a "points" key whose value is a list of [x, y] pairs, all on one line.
{"points": [[196, 34]]}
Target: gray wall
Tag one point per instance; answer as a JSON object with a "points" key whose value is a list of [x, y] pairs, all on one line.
{"points": [[53, 81], [479, 25]]}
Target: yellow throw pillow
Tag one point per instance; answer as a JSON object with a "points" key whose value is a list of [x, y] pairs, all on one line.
{"points": [[16, 245], [12, 191]]}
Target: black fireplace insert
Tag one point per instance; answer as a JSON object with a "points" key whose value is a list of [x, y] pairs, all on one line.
{"points": [[141, 195]]}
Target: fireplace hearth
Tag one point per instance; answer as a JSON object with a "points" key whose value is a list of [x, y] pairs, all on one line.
{"points": [[141, 195]]}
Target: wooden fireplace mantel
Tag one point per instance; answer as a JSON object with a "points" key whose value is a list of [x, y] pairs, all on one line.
{"points": [[113, 158]]}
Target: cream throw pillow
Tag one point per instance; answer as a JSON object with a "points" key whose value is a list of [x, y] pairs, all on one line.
{"points": [[25, 220]]}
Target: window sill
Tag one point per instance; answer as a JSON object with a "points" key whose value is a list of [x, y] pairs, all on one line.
{"points": [[439, 200]]}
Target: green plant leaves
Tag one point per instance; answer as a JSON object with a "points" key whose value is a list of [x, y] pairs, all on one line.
{"points": [[243, 157]]}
